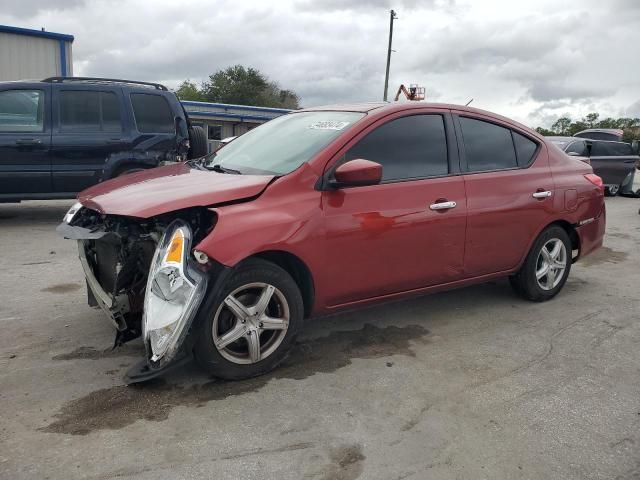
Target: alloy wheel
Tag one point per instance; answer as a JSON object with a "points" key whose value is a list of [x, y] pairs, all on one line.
{"points": [[250, 323], [551, 264]]}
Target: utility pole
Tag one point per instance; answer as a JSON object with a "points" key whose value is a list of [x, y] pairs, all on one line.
{"points": [[392, 17]]}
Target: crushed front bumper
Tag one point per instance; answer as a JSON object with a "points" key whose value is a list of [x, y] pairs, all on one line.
{"points": [[114, 306]]}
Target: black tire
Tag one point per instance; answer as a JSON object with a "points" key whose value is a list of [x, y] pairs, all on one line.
{"points": [[612, 191], [198, 142], [525, 282], [249, 272]]}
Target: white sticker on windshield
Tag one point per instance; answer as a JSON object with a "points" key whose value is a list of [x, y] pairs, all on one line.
{"points": [[328, 125]]}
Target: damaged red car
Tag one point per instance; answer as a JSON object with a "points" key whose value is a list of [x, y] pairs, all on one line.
{"points": [[224, 257]]}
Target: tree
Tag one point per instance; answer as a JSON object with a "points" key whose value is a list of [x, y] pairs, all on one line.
{"points": [[591, 119], [545, 131], [561, 126], [240, 86], [189, 91], [565, 126]]}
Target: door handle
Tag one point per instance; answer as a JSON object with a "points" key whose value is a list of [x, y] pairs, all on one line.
{"points": [[543, 194], [442, 205], [28, 141], [115, 140]]}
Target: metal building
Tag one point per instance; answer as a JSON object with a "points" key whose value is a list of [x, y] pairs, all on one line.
{"points": [[34, 54], [221, 120]]}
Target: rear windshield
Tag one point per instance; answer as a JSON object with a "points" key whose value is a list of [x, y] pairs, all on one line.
{"points": [[283, 144]]}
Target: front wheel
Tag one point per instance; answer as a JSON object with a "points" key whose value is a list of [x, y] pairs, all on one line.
{"points": [[546, 267], [249, 327]]}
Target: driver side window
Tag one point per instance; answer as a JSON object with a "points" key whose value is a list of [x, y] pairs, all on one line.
{"points": [[407, 148]]}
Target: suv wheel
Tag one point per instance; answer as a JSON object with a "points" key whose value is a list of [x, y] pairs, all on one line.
{"points": [[249, 327], [198, 142], [546, 267]]}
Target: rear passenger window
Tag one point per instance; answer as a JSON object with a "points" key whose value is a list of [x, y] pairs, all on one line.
{"points": [[110, 112], [89, 110], [487, 146], [525, 149], [409, 147], [80, 110], [152, 113]]}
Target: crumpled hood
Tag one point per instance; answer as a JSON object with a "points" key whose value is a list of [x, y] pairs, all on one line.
{"points": [[166, 189]]}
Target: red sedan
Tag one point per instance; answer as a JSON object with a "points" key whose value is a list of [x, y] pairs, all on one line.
{"points": [[324, 209]]}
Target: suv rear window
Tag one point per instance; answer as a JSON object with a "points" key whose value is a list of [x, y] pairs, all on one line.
{"points": [[152, 113], [89, 110], [487, 146], [21, 111]]}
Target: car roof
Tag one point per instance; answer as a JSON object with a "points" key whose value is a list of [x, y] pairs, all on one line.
{"points": [[565, 139], [385, 108]]}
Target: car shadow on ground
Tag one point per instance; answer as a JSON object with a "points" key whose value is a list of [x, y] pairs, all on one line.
{"points": [[328, 344]]}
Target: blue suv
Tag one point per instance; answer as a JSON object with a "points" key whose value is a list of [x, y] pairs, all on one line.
{"points": [[61, 135]]}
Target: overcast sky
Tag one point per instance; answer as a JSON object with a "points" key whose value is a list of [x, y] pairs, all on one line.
{"points": [[532, 60]]}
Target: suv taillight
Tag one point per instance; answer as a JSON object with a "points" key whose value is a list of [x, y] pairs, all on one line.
{"points": [[595, 179]]}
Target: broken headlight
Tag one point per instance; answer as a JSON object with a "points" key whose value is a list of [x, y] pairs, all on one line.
{"points": [[75, 208], [175, 288]]}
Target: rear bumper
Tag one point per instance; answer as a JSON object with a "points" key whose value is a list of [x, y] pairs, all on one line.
{"points": [[591, 233]]}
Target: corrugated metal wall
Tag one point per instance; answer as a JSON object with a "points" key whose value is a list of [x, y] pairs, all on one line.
{"points": [[25, 57]]}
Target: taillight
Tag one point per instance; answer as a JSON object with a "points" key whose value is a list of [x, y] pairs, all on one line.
{"points": [[595, 179]]}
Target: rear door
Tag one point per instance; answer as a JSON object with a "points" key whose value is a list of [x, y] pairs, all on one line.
{"points": [[25, 138], [509, 192], [88, 127], [386, 238], [612, 161]]}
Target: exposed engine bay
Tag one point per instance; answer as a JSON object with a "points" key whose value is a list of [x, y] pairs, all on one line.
{"points": [[117, 254]]}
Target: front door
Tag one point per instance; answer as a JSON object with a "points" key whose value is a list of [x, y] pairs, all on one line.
{"points": [[395, 236], [25, 137]]}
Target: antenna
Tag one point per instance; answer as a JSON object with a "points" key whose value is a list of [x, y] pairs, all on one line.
{"points": [[468, 103]]}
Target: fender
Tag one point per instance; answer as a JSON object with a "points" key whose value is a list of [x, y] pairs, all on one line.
{"points": [[286, 217]]}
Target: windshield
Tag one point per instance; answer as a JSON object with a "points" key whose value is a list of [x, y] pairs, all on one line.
{"points": [[283, 144]]}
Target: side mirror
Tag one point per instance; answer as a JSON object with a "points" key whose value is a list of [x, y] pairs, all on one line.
{"points": [[358, 172]]}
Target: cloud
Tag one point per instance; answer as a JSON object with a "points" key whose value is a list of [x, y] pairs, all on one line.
{"points": [[28, 8], [516, 58]]}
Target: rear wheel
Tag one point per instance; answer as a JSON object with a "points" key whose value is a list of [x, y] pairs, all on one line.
{"points": [[546, 267], [612, 190], [198, 142], [252, 323]]}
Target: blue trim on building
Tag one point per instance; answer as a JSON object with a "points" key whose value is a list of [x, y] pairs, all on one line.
{"points": [[221, 115], [36, 33], [63, 58], [226, 106]]}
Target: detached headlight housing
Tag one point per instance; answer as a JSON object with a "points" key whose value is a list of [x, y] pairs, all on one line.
{"points": [[175, 289], [75, 208]]}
